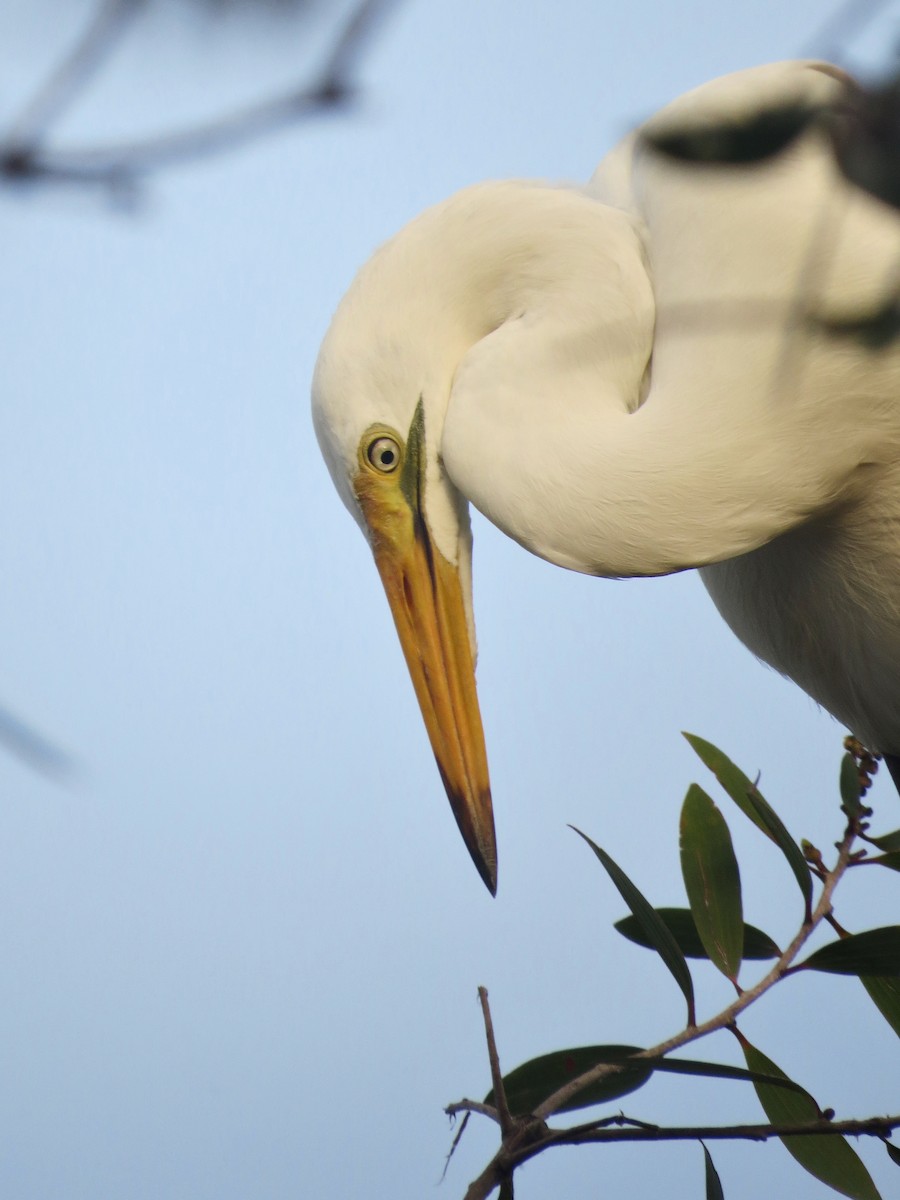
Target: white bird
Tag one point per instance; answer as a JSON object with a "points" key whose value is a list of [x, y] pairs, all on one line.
{"points": [[654, 372]]}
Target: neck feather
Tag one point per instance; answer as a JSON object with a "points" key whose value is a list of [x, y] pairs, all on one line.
{"points": [[558, 431]]}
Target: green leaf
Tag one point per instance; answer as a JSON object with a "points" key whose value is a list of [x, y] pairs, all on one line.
{"points": [[655, 930], [887, 841], [693, 1066], [893, 1152], [850, 788], [731, 777], [750, 801], [886, 995], [530, 1084], [757, 945], [875, 952], [891, 860], [713, 1182], [829, 1157], [712, 881]]}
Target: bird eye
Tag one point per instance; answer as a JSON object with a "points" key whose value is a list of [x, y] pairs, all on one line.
{"points": [[384, 454]]}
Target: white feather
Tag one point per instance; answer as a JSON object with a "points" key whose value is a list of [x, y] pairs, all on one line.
{"points": [[635, 378]]}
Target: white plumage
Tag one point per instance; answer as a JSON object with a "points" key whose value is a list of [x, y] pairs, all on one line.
{"points": [[638, 377]]}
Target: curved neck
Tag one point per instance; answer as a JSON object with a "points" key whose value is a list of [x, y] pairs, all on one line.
{"points": [[559, 434]]}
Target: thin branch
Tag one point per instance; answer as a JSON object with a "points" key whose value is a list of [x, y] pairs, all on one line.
{"points": [[359, 29], [115, 160], [454, 1144], [78, 66], [472, 1106], [32, 747], [113, 164], [880, 1127], [831, 37], [499, 1169], [599, 1132], [503, 1114]]}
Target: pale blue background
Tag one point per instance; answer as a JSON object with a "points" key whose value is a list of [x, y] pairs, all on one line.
{"points": [[240, 944]]}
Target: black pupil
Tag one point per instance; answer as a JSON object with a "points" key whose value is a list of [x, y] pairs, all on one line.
{"points": [[387, 458]]}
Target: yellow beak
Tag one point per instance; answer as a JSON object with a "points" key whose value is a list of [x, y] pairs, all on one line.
{"points": [[426, 599]]}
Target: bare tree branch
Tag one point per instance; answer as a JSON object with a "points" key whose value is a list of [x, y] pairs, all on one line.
{"points": [[113, 165], [880, 1127], [73, 73], [32, 747], [840, 27], [503, 1114]]}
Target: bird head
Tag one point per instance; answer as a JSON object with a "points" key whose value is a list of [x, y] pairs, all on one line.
{"points": [[468, 363], [380, 391]]}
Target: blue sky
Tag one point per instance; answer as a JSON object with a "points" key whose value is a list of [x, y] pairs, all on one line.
{"points": [[242, 941]]}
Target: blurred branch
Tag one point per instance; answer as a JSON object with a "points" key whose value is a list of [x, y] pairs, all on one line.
{"points": [[862, 125], [25, 158], [73, 73], [837, 30], [34, 749]]}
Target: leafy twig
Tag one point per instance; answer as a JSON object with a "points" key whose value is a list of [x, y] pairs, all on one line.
{"points": [[728, 1015], [529, 1136]]}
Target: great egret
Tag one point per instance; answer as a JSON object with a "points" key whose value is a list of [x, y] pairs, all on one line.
{"points": [[661, 370]]}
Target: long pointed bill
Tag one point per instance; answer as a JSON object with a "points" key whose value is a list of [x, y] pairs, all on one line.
{"points": [[426, 600]]}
